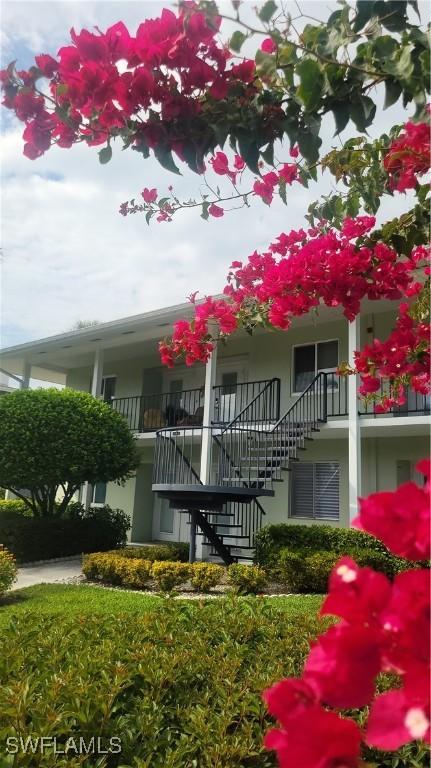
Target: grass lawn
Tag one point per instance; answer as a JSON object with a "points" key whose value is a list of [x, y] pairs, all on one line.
{"points": [[83, 600]]}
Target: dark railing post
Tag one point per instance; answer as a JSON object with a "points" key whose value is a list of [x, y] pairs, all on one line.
{"points": [[325, 397], [192, 549]]}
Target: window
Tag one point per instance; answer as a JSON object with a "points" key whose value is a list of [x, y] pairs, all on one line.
{"points": [[99, 494], [229, 382], [108, 388], [315, 490], [310, 359]]}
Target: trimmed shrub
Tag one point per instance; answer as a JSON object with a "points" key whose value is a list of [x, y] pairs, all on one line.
{"points": [[13, 507], [307, 571], [168, 575], [36, 538], [246, 579], [7, 570], [272, 539], [114, 569], [205, 576], [174, 551], [181, 685]]}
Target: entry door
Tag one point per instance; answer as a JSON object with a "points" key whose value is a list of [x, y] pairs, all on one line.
{"points": [[166, 521], [228, 396], [108, 388]]}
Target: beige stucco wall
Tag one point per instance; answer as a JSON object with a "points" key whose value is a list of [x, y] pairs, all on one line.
{"points": [[380, 456]]}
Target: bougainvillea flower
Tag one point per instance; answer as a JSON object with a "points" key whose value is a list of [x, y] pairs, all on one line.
{"points": [[216, 211], [149, 195], [289, 698], [357, 595], [268, 45], [400, 519], [317, 739], [396, 719], [343, 664]]}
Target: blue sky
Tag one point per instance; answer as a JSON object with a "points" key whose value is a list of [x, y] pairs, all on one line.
{"points": [[67, 253]]}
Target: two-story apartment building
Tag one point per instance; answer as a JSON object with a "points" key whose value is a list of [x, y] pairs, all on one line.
{"points": [[263, 404]]}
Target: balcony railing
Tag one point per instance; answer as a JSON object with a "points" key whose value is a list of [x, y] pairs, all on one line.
{"points": [[231, 400], [147, 413], [416, 404]]}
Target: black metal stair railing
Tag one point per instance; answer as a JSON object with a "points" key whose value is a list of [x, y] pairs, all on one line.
{"points": [[232, 400]]}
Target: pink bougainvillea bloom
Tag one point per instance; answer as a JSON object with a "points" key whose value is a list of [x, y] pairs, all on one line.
{"points": [[396, 719], [343, 664], [268, 45], [220, 163], [289, 172], [47, 65], [216, 211], [289, 698], [357, 227], [317, 739], [357, 595], [294, 151], [149, 195], [238, 163], [400, 519]]}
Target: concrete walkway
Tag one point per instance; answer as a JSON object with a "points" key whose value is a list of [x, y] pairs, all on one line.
{"points": [[48, 573]]}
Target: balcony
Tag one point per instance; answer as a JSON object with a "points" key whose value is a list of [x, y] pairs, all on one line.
{"points": [[185, 408], [415, 405]]}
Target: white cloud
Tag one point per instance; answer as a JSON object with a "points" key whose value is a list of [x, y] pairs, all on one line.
{"points": [[68, 254]]}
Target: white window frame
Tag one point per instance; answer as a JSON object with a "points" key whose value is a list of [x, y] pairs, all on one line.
{"points": [[316, 371], [98, 503], [315, 519]]}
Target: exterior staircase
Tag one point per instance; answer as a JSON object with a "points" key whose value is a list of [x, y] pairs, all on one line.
{"points": [[248, 457]]}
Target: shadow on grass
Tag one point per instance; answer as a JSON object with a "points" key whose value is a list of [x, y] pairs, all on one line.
{"points": [[14, 598]]}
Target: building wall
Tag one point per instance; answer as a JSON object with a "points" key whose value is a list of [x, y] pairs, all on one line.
{"points": [[380, 456]]}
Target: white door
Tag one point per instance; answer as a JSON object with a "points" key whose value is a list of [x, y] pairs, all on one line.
{"points": [[169, 524]]}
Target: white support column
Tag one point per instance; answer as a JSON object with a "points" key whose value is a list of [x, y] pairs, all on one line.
{"points": [[354, 424], [206, 445], [96, 381], [96, 390], [210, 380], [26, 375]]}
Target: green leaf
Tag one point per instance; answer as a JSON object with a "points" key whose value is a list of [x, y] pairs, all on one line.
{"points": [[105, 155], [282, 191], [365, 11], [267, 11], [309, 146], [148, 216], [341, 116], [311, 85], [164, 156], [249, 151], [237, 40], [392, 92], [205, 214], [362, 112], [265, 64], [268, 154]]}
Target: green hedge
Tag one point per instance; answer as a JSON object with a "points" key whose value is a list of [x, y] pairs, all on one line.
{"points": [[306, 571], [181, 685], [10, 507], [42, 538], [175, 550], [273, 539]]}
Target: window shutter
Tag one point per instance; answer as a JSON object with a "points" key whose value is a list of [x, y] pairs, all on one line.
{"points": [[315, 490], [302, 490], [327, 491]]}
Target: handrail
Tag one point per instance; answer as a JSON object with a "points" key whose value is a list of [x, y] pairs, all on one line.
{"points": [[300, 397], [269, 383]]}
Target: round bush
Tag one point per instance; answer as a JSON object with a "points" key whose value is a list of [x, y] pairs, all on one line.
{"points": [[246, 579], [8, 570], [170, 575], [205, 576]]}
